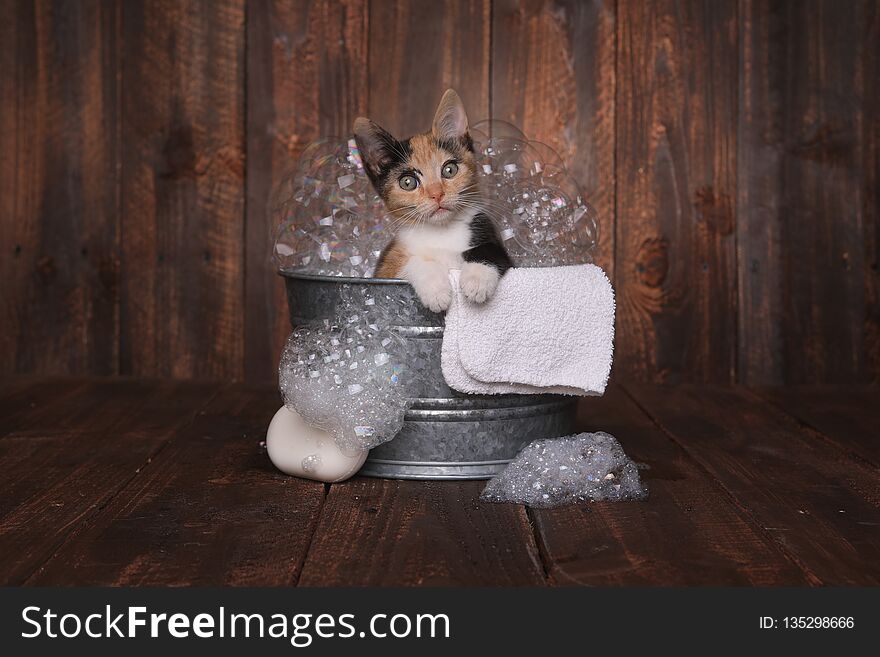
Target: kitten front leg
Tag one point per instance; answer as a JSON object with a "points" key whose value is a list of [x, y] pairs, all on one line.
{"points": [[478, 281], [431, 282], [484, 264]]}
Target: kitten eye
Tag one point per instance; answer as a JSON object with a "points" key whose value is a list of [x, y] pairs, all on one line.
{"points": [[408, 182], [449, 170]]}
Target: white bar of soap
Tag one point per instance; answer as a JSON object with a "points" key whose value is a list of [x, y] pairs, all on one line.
{"points": [[301, 450]]}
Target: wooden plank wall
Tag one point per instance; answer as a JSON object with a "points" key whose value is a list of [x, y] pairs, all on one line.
{"points": [[808, 221], [182, 208], [730, 147], [59, 187]]}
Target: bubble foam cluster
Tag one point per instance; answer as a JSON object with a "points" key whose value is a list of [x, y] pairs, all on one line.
{"points": [[556, 471], [331, 221], [346, 375]]}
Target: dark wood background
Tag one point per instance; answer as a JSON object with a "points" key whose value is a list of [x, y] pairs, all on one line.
{"points": [[732, 149]]}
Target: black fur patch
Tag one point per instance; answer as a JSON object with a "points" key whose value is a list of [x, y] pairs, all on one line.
{"points": [[457, 145], [398, 153], [394, 153], [485, 246]]}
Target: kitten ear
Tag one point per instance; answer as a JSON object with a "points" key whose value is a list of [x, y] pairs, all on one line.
{"points": [[450, 121], [376, 145]]}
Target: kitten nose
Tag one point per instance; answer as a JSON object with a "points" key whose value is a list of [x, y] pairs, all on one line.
{"points": [[436, 193]]}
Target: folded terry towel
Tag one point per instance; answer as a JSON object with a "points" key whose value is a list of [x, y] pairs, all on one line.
{"points": [[546, 330]]}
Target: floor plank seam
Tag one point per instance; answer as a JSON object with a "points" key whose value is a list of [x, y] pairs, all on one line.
{"points": [[297, 576], [748, 514], [812, 429], [542, 553], [85, 522]]}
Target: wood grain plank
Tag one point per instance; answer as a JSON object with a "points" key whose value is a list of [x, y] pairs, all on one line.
{"points": [[59, 257], [849, 416], [816, 502], [869, 138], [687, 533], [55, 480], [760, 153], [809, 208], [68, 404], [553, 76], [676, 190], [306, 78], [10, 385], [123, 409], [183, 189], [20, 394], [417, 51], [209, 510], [376, 532]]}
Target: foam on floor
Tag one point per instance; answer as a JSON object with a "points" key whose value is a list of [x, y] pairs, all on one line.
{"points": [[587, 467]]}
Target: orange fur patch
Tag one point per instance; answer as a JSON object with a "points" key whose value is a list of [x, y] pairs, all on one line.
{"points": [[423, 149], [392, 261]]}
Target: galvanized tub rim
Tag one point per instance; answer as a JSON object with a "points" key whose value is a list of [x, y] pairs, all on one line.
{"points": [[324, 278]]}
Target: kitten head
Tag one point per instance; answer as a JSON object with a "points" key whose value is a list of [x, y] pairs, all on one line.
{"points": [[428, 178]]}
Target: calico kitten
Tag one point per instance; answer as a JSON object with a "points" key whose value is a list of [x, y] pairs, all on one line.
{"points": [[429, 185]]}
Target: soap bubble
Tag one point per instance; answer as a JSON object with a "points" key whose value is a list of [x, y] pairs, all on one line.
{"points": [[496, 128], [555, 471], [329, 219], [549, 157], [345, 375], [505, 161], [311, 463], [331, 222]]}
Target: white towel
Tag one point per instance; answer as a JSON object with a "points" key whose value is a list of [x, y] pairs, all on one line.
{"points": [[545, 330]]}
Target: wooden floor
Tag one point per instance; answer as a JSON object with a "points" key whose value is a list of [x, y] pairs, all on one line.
{"points": [[123, 482]]}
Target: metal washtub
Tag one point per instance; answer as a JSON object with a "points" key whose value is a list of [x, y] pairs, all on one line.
{"points": [[447, 434]]}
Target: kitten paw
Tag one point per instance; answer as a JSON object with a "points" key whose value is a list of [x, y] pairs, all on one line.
{"points": [[436, 295], [478, 282]]}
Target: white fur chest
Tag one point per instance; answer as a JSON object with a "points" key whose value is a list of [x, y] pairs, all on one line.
{"points": [[443, 244]]}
